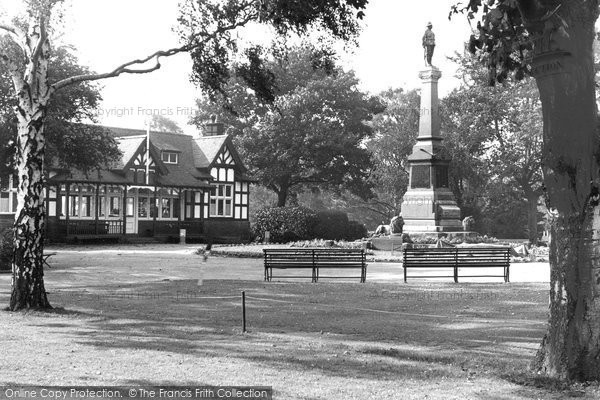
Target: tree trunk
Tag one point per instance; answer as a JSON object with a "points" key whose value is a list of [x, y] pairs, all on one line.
{"points": [[563, 68], [281, 198], [28, 290], [282, 195]]}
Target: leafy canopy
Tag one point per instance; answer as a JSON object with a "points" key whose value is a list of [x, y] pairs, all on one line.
{"points": [[311, 135], [71, 143], [210, 29]]}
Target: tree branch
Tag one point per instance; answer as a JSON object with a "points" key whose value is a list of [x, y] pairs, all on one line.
{"points": [[8, 28], [124, 68], [37, 50]]}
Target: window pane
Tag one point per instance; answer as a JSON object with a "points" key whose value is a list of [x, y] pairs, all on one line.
{"points": [[244, 199], [197, 197], [213, 207], [129, 207], [197, 211], [228, 191], [238, 186], [230, 175], [102, 206], [85, 206], [165, 208], [4, 202], [14, 202], [52, 209], [115, 206], [237, 213], [238, 198], [228, 208], [153, 208], [220, 207], [220, 190], [74, 206], [143, 207], [52, 192], [244, 212]]}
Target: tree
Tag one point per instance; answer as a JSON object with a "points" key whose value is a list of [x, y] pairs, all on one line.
{"points": [[395, 134], [494, 136], [312, 133], [207, 30], [161, 123], [553, 42], [70, 142]]}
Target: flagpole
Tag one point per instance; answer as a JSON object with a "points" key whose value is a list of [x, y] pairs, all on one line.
{"points": [[147, 152]]}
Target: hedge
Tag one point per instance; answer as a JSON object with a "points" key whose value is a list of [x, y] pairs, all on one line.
{"points": [[288, 224]]}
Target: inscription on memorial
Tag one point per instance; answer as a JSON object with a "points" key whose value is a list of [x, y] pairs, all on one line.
{"points": [[420, 177], [441, 176]]}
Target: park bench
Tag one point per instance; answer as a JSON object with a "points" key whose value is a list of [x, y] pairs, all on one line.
{"points": [[457, 258], [314, 260]]}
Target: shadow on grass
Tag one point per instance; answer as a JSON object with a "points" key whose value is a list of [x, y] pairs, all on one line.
{"points": [[376, 331], [182, 317]]}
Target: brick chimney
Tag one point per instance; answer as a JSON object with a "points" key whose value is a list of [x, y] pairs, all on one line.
{"points": [[213, 128]]}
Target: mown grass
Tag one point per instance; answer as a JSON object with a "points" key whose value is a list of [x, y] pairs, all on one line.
{"points": [[142, 324]]}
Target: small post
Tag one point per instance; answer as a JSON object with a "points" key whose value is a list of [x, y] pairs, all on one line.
{"points": [[243, 311]]}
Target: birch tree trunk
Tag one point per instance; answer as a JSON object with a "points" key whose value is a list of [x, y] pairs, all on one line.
{"points": [[563, 68], [28, 271]]}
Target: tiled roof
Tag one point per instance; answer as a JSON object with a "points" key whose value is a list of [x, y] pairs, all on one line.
{"points": [[195, 156]]}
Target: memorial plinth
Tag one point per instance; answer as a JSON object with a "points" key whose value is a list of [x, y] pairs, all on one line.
{"points": [[429, 205]]}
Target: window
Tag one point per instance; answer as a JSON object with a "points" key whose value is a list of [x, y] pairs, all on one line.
{"points": [[241, 200], [167, 203], [221, 201], [193, 204], [143, 203], [8, 195], [169, 157]]}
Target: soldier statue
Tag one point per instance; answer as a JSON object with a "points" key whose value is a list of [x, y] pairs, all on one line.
{"points": [[428, 44]]}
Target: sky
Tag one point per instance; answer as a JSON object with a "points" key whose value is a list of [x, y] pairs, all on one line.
{"points": [[107, 33]]}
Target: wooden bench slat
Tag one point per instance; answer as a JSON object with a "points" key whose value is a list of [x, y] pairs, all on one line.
{"points": [[457, 258], [314, 259]]}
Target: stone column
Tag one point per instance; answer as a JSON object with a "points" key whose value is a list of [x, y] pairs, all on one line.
{"points": [[429, 123]]}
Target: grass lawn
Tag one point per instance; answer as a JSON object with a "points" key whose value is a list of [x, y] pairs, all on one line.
{"points": [[140, 318]]}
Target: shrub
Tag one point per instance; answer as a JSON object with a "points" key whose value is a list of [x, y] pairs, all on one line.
{"points": [[355, 230], [6, 249], [334, 225], [285, 224], [331, 225]]}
